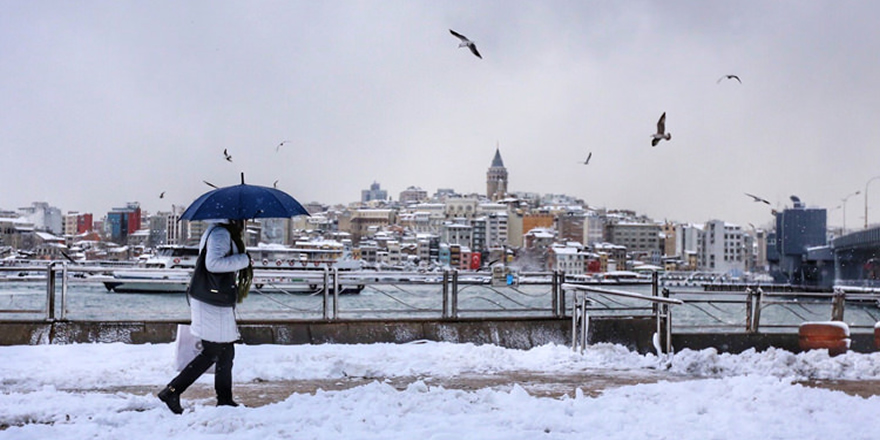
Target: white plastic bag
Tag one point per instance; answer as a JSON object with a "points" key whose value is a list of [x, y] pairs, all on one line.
{"points": [[187, 347]]}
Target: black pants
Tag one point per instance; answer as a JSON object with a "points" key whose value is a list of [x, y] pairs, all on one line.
{"points": [[219, 354]]}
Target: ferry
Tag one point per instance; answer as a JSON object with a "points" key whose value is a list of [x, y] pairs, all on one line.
{"points": [[619, 277], [303, 255], [264, 281], [277, 268]]}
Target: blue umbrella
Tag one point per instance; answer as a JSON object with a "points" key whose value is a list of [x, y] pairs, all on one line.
{"points": [[242, 202]]}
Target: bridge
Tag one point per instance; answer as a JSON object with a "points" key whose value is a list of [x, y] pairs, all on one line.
{"points": [[857, 258]]}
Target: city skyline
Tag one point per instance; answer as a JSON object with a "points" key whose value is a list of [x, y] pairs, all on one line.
{"points": [[410, 200], [113, 102]]}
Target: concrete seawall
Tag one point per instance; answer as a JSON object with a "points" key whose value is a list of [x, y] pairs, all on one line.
{"points": [[519, 333]]}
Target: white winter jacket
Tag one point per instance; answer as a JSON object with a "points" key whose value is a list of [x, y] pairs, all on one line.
{"points": [[209, 322]]}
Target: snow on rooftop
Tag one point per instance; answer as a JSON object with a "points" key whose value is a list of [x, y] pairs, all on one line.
{"points": [[46, 236]]}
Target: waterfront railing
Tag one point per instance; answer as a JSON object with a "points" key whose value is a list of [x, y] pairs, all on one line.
{"points": [[451, 295], [580, 312]]}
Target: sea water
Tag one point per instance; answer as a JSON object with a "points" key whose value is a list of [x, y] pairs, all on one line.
{"points": [[702, 311]]}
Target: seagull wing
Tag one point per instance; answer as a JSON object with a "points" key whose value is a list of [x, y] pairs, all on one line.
{"points": [[460, 36], [588, 158], [473, 48], [757, 199], [661, 124], [735, 77], [655, 141]]}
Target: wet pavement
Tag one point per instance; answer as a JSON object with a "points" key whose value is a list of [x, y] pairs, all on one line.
{"points": [[259, 393]]}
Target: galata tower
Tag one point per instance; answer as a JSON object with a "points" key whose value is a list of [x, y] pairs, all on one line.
{"points": [[496, 178]]}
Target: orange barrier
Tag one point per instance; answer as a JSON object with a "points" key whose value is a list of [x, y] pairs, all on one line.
{"points": [[830, 335], [877, 335]]}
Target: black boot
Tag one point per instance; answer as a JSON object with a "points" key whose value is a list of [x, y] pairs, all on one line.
{"points": [[172, 399], [223, 373], [226, 402]]}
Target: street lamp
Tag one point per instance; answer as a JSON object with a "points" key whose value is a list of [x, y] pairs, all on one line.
{"points": [[844, 208], [866, 198]]}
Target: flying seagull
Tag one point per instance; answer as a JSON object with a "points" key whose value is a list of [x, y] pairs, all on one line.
{"points": [[162, 196], [210, 184], [728, 77], [226, 155], [587, 162], [661, 131], [275, 185], [757, 199], [465, 42], [280, 145]]}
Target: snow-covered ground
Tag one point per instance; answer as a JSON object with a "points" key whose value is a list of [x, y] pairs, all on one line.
{"points": [[66, 392]]}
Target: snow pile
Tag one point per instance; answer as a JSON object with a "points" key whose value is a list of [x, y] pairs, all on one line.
{"points": [[54, 391]]}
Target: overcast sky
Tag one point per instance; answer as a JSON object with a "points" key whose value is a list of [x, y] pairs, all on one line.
{"points": [[107, 102]]}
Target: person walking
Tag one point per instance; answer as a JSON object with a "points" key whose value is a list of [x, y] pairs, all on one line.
{"points": [[220, 280]]}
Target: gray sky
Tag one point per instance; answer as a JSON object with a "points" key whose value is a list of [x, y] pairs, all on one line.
{"points": [[106, 102]]}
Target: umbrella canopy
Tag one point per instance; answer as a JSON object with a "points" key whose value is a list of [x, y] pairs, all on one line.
{"points": [[242, 202]]}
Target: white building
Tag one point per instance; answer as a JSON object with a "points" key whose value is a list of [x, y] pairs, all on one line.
{"points": [[461, 207], [594, 228], [413, 194], [426, 217], [496, 230], [723, 249], [688, 239], [44, 217], [568, 259], [457, 233]]}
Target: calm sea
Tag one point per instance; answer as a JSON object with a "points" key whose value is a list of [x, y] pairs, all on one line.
{"points": [[92, 301]]}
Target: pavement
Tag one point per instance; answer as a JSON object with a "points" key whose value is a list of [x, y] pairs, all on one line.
{"points": [[591, 383]]}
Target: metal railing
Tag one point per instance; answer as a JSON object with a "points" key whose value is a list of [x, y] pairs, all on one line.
{"points": [[442, 295], [751, 310], [454, 295], [49, 271], [580, 317]]}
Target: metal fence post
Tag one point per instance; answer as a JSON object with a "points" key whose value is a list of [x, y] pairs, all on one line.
{"points": [[445, 312], [336, 293], [555, 295], [585, 323], [749, 307], [326, 293], [455, 293], [667, 312], [658, 310], [64, 291], [759, 298], [838, 302], [562, 298], [50, 292], [574, 316]]}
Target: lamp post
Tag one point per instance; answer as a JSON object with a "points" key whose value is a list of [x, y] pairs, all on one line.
{"points": [[844, 208], [866, 198]]}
